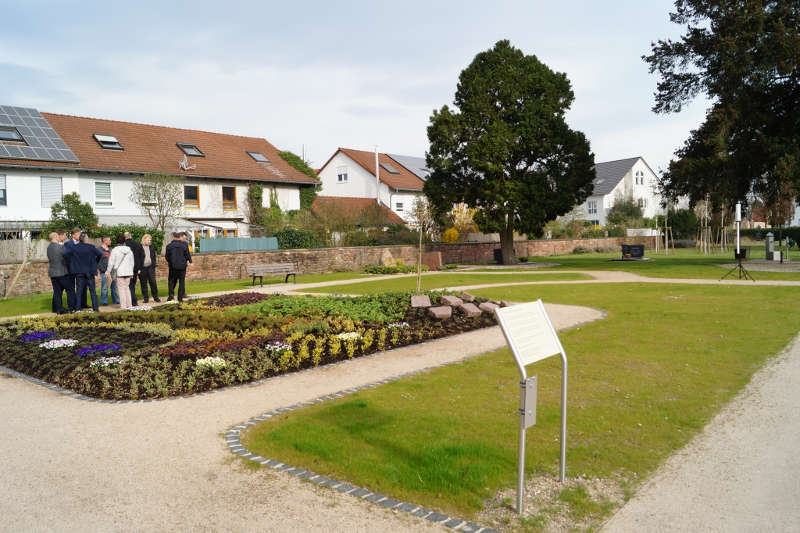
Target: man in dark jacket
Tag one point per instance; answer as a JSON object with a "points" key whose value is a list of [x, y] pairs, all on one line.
{"points": [[178, 258], [138, 261], [102, 267], [70, 242], [59, 275], [83, 259]]}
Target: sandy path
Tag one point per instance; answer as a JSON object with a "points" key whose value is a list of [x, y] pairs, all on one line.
{"points": [[742, 473], [72, 465]]}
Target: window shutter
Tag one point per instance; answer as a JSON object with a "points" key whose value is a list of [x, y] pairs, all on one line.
{"points": [[102, 193], [2, 181], [51, 191]]}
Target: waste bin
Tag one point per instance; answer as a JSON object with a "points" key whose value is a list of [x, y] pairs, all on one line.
{"points": [[498, 256]]}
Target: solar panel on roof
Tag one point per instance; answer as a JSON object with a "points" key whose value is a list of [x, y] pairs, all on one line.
{"points": [[36, 133]]}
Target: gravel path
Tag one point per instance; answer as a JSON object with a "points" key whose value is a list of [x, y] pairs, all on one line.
{"points": [[72, 465], [742, 473]]}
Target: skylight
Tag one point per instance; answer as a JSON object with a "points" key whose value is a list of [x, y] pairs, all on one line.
{"points": [[190, 149], [10, 134], [390, 169], [109, 142], [258, 156]]}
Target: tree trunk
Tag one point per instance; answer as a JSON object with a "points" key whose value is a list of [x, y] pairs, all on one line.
{"points": [[507, 243]]}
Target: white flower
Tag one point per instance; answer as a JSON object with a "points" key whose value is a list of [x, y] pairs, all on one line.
{"points": [[349, 336], [397, 325], [140, 308], [278, 346], [106, 361], [58, 343], [213, 363]]}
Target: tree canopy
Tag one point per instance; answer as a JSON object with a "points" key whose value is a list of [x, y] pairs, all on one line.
{"points": [[70, 213], [743, 55], [506, 149], [159, 196]]}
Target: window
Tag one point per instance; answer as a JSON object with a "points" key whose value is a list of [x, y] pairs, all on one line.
{"points": [[3, 199], [258, 156], [190, 149], [398, 206], [229, 198], [595, 222], [108, 142], [591, 207], [390, 169], [230, 233], [102, 194], [7, 133], [51, 191], [642, 203], [639, 176], [341, 174], [191, 196], [148, 195]]}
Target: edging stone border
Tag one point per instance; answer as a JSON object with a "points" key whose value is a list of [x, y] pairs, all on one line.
{"points": [[236, 447]]}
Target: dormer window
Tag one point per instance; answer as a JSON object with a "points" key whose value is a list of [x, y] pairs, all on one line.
{"points": [[8, 133], [258, 156], [190, 149], [108, 142], [389, 168]]}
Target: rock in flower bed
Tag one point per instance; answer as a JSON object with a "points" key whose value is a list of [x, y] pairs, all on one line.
{"points": [[216, 342]]}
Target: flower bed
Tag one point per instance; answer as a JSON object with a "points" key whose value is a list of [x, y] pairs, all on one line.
{"points": [[216, 342]]}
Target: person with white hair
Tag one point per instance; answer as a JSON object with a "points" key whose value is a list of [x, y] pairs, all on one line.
{"points": [[59, 275]]}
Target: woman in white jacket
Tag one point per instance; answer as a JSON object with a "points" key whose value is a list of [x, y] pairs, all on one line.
{"points": [[120, 264]]}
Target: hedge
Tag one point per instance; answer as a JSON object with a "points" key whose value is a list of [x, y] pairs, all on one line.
{"points": [[136, 232], [290, 238]]}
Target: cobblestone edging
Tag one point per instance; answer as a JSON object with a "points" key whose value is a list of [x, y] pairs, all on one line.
{"points": [[236, 447]]}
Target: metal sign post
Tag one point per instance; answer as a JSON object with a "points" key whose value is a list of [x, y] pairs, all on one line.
{"points": [[532, 337]]}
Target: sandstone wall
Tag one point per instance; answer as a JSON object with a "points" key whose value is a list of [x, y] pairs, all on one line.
{"points": [[230, 265]]}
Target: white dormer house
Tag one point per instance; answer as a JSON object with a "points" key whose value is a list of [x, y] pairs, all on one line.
{"points": [[623, 178]]}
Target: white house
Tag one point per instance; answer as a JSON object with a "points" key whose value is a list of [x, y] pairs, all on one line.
{"points": [[623, 178], [352, 174], [44, 156]]}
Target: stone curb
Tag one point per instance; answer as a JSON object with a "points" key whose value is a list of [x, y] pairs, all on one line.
{"points": [[236, 447]]}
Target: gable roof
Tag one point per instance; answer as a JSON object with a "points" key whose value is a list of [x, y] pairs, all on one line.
{"points": [[154, 149], [404, 180], [609, 173], [417, 165], [352, 207]]}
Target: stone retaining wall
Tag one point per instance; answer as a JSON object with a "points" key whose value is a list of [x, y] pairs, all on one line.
{"points": [[230, 265]]}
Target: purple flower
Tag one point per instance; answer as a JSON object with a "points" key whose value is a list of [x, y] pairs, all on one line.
{"points": [[37, 336], [97, 348]]}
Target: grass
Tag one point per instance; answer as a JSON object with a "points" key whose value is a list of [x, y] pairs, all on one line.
{"points": [[680, 263], [642, 383], [40, 302], [441, 281]]}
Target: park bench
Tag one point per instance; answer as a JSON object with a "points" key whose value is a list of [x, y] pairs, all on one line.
{"points": [[259, 271]]}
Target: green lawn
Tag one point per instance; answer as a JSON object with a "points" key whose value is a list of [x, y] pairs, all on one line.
{"points": [[40, 302], [441, 281], [642, 382], [680, 263]]}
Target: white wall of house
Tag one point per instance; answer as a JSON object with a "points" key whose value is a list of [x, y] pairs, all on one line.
{"points": [[288, 196], [638, 183], [402, 203], [359, 182], [24, 193]]}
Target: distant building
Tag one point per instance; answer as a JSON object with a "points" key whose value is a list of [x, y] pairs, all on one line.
{"points": [[44, 156]]}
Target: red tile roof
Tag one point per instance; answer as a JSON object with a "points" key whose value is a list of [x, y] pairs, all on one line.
{"points": [[404, 180], [150, 148], [353, 206]]}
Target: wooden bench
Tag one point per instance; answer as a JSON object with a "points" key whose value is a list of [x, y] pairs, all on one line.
{"points": [[259, 271]]}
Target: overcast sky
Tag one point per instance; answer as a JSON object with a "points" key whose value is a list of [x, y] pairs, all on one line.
{"points": [[332, 73]]}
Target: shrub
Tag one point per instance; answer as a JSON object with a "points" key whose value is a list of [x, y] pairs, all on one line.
{"points": [[290, 238], [135, 230], [450, 235], [581, 250], [396, 269]]}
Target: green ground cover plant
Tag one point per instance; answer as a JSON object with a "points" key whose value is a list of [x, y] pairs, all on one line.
{"points": [[40, 302], [443, 281], [209, 343], [642, 382]]}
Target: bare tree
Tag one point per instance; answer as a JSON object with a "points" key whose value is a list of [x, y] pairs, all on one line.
{"points": [[425, 220], [160, 197]]}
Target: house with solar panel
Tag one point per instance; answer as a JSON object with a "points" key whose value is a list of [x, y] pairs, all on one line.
{"points": [[45, 155], [392, 180], [623, 178]]}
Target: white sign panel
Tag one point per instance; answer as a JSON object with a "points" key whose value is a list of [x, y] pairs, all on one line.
{"points": [[529, 333]]}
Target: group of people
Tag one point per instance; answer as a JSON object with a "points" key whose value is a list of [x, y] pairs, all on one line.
{"points": [[75, 265]]}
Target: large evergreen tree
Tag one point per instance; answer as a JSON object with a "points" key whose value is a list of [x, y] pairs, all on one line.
{"points": [[743, 55], [507, 150]]}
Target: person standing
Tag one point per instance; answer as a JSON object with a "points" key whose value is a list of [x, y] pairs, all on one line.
{"points": [[72, 241], [138, 259], [148, 274], [178, 258], [59, 274], [120, 264], [105, 273], [83, 259]]}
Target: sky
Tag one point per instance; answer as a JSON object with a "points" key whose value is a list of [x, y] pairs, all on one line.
{"points": [[316, 75]]}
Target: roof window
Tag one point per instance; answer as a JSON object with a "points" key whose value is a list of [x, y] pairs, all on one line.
{"points": [[258, 156], [190, 149], [109, 142], [389, 168], [8, 133]]}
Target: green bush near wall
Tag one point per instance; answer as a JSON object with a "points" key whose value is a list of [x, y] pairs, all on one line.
{"points": [[135, 230], [290, 238]]}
